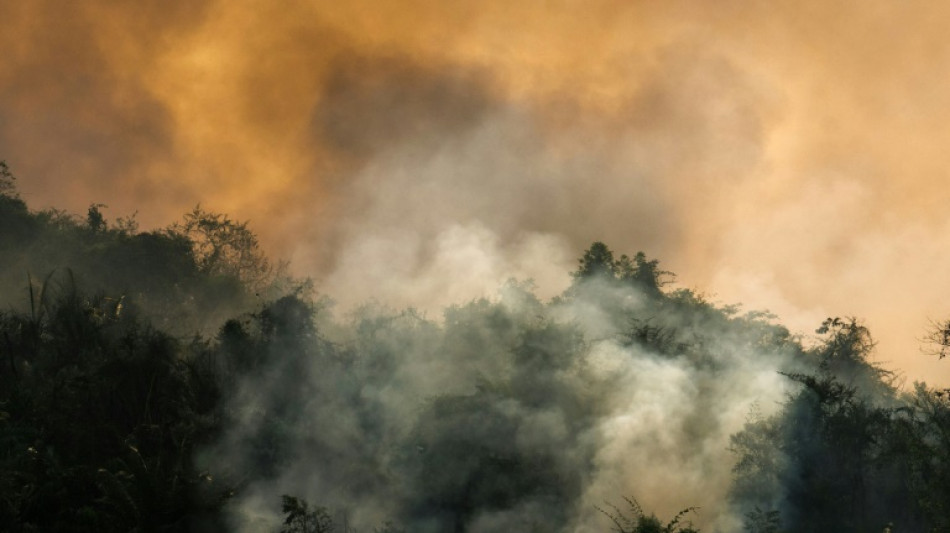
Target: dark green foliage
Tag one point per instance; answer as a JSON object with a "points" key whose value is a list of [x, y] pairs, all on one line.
{"points": [[300, 519], [847, 453], [661, 339], [7, 181], [598, 263], [761, 521], [188, 278], [223, 247], [643, 274], [759, 462], [17, 226], [938, 338], [101, 415], [635, 520], [119, 412], [918, 446], [94, 219], [466, 459]]}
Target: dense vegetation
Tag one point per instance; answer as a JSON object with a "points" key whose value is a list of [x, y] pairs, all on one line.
{"points": [[174, 380]]}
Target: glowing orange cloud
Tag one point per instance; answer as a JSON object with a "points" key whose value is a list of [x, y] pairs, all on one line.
{"points": [[784, 154]]}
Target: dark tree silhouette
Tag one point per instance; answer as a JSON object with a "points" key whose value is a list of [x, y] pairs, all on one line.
{"points": [[123, 354], [597, 261]]}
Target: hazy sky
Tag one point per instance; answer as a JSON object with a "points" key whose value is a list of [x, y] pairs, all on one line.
{"points": [[786, 155]]}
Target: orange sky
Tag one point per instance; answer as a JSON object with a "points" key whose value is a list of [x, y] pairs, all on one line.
{"points": [[787, 155]]}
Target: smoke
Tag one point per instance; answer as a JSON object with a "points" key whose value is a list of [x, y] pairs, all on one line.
{"points": [[789, 156], [776, 154], [506, 414], [673, 127]]}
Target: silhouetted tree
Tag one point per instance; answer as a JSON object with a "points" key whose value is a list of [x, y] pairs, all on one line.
{"points": [[938, 338], [109, 385], [597, 261], [94, 219], [7, 181], [643, 274], [829, 461], [223, 246]]}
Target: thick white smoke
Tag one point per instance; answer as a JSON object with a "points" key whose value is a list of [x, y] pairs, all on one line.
{"points": [[600, 394]]}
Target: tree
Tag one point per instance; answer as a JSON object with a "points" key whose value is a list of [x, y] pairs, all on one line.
{"points": [[222, 246], [938, 337], [301, 519], [639, 272], [919, 443], [7, 181], [94, 219], [761, 521], [829, 460], [643, 274], [597, 261], [759, 465]]}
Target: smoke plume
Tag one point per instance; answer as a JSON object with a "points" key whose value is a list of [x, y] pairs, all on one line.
{"points": [[785, 155], [507, 414]]}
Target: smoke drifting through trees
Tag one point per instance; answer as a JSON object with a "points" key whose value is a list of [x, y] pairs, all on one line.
{"points": [[774, 153], [509, 413]]}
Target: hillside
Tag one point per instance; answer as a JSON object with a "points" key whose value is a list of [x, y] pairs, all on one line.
{"points": [[175, 380]]}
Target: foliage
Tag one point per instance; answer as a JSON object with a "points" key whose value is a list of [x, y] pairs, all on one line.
{"points": [[222, 246], [762, 521], [598, 263], [188, 278], [147, 379], [300, 519], [938, 338], [847, 452], [101, 415], [635, 520], [920, 441], [7, 181], [95, 221]]}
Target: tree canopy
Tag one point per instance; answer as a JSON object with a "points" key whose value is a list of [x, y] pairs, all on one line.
{"points": [[167, 380]]}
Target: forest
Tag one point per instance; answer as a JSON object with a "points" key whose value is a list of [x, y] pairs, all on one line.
{"points": [[178, 380]]}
